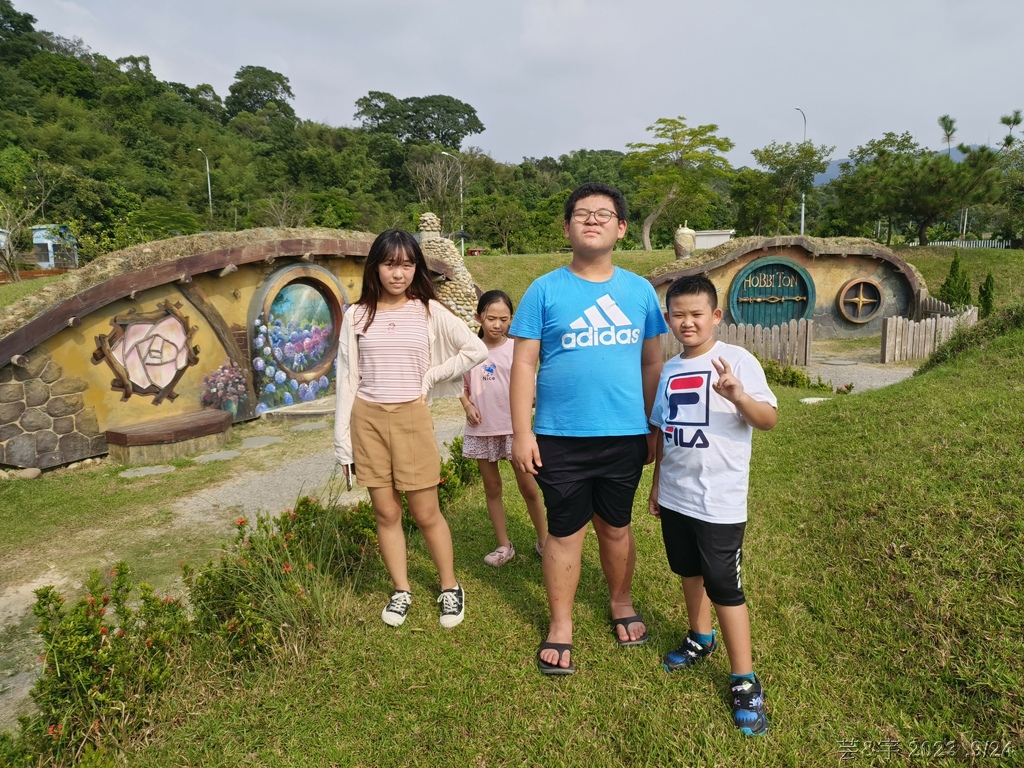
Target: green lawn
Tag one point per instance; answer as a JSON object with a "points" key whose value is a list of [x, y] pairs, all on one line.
{"points": [[885, 582], [513, 274], [11, 292], [1005, 265]]}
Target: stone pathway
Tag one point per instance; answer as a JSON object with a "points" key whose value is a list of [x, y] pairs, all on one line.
{"points": [[314, 473]]}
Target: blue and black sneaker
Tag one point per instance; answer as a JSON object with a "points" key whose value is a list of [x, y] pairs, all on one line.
{"points": [[689, 653], [748, 707]]}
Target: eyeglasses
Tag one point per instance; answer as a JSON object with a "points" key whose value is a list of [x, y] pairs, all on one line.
{"points": [[601, 215]]}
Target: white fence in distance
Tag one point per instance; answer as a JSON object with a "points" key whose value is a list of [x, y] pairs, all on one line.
{"points": [[789, 344], [904, 339], [967, 243]]}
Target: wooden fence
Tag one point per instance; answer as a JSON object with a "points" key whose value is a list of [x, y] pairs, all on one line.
{"points": [[789, 344], [904, 339], [31, 274], [926, 306]]}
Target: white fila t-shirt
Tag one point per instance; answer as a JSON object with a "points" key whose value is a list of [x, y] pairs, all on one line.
{"points": [[705, 467]]}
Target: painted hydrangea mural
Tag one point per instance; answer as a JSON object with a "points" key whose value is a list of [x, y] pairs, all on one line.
{"points": [[290, 349]]}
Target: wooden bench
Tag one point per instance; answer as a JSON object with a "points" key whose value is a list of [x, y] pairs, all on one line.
{"points": [[169, 438]]}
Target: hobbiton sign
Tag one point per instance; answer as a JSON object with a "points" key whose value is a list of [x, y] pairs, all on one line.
{"points": [[847, 286], [162, 338]]}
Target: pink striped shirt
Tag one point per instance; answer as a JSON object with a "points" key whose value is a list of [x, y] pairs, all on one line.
{"points": [[393, 353]]}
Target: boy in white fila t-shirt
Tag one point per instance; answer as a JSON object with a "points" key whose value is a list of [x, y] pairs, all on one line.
{"points": [[709, 400]]}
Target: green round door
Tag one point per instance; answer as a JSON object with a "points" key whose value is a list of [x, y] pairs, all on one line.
{"points": [[770, 292]]}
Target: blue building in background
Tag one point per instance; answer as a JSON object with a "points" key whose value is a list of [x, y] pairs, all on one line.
{"points": [[53, 247]]}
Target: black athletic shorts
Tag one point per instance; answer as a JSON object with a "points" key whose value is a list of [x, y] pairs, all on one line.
{"points": [[584, 476], [712, 550]]}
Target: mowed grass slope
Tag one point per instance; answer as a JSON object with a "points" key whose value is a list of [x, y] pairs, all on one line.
{"points": [[885, 582], [1005, 265]]}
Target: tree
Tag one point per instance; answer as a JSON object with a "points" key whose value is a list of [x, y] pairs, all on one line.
{"points": [[381, 112], [948, 126], [681, 164], [286, 208], [754, 197], [255, 88], [497, 219], [18, 37], [956, 290], [792, 168], [436, 178], [25, 186], [1011, 121], [932, 186], [987, 296], [867, 188], [435, 119]]}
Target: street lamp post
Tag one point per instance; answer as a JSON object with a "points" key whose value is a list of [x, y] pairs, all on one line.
{"points": [[209, 187], [803, 195], [462, 226]]}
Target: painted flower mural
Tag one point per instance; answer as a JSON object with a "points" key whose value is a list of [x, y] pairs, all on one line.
{"points": [[292, 348], [148, 352], [224, 388]]}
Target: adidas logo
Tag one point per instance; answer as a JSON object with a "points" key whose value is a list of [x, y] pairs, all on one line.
{"points": [[601, 325]]}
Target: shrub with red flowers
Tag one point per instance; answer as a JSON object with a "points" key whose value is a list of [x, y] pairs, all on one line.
{"points": [[277, 576], [103, 660]]}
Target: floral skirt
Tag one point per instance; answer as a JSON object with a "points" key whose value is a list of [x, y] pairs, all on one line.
{"points": [[489, 448]]}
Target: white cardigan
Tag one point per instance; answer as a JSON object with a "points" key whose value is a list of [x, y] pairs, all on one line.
{"points": [[454, 349]]}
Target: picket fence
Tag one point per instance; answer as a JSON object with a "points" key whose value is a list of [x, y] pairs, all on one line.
{"points": [[789, 344], [904, 339], [968, 243]]}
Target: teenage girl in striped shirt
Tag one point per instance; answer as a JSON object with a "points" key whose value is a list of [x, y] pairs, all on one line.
{"points": [[400, 347]]}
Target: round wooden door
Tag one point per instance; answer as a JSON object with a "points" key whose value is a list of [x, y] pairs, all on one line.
{"points": [[769, 292]]}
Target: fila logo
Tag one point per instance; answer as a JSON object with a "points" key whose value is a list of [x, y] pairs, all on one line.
{"points": [[601, 326]]}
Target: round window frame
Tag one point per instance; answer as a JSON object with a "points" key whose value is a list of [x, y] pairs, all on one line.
{"points": [[324, 283], [737, 284], [841, 299]]}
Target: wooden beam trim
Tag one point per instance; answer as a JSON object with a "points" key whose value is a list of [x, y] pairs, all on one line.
{"points": [[42, 327]]}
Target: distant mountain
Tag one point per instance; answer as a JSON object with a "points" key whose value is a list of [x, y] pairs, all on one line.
{"points": [[832, 172]]}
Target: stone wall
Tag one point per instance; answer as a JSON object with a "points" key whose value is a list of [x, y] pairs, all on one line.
{"points": [[459, 293], [43, 417]]}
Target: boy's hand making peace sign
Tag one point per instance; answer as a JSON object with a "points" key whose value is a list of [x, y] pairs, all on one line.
{"points": [[728, 386]]}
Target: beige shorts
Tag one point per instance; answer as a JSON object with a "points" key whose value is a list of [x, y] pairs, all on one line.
{"points": [[393, 445]]}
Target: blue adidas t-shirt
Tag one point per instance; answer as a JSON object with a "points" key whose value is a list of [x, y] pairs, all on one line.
{"points": [[591, 335]]}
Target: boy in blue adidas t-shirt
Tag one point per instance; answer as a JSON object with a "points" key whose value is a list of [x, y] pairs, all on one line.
{"points": [[709, 400], [594, 329]]}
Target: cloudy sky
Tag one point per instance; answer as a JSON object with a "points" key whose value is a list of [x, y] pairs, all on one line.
{"points": [[551, 76]]}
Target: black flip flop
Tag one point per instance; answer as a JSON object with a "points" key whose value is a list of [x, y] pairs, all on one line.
{"points": [[624, 623], [554, 669]]}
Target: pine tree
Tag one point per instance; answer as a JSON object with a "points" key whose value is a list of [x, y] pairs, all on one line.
{"points": [[987, 297], [956, 291]]}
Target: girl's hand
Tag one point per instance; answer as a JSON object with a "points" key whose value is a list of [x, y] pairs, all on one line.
{"points": [[473, 416]]}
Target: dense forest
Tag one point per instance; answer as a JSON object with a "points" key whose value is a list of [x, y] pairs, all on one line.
{"points": [[119, 156]]}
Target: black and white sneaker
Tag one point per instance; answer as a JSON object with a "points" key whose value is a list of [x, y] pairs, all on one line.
{"points": [[453, 606], [394, 612]]}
